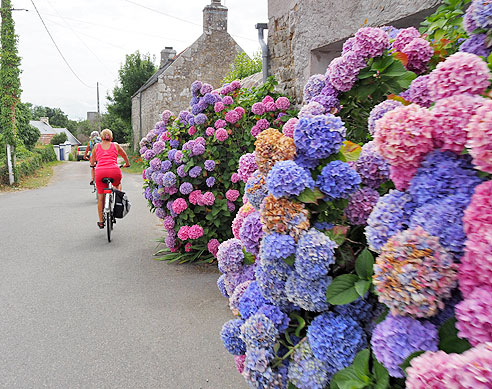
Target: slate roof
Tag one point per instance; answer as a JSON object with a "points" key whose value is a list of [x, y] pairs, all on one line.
{"points": [[46, 129]]}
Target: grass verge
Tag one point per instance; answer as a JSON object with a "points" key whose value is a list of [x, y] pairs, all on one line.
{"points": [[37, 180]]}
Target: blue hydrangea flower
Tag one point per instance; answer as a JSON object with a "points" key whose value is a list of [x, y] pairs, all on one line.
{"points": [[169, 179], [251, 301], [319, 137], [174, 143], [231, 336], [259, 331], [337, 180], [277, 246], [389, 216], [448, 311], [200, 119], [288, 179], [395, 338], [306, 371], [171, 153], [209, 99], [279, 318], [323, 226], [210, 181], [271, 276], [221, 286], [148, 193], [195, 171], [359, 310], [443, 174], [314, 255], [258, 359], [307, 294], [443, 219], [271, 378], [335, 340], [483, 14], [256, 189]]}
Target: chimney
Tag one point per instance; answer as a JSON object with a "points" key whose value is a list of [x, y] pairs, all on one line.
{"points": [[45, 120], [214, 17], [167, 55]]}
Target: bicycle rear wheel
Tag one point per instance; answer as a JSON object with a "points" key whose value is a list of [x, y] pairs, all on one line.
{"points": [[109, 225]]}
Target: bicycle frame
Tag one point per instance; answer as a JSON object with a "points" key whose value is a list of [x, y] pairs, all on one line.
{"points": [[107, 212]]}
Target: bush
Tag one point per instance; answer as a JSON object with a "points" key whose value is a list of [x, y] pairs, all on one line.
{"points": [[59, 139], [243, 67]]}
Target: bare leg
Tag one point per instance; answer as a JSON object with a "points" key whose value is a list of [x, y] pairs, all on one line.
{"points": [[100, 206]]}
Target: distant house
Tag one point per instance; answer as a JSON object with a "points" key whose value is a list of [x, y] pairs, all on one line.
{"points": [[208, 59], [48, 132]]}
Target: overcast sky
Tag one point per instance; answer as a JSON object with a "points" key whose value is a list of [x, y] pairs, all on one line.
{"points": [[95, 35]]}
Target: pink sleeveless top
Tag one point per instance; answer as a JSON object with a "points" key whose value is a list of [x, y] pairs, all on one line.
{"points": [[106, 158]]}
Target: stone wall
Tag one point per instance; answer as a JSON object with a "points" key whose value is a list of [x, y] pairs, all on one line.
{"points": [[144, 116], [304, 35]]}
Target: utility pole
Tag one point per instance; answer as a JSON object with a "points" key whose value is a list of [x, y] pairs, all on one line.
{"points": [[9, 84], [98, 110]]}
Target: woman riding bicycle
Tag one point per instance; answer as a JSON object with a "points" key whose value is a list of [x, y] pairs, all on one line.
{"points": [[93, 141], [106, 154]]}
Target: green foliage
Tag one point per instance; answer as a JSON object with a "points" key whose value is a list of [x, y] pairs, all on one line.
{"points": [[122, 130], [347, 288], [406, 363], [360, 374], [57, 118], [449, 340], [27, 133], [244, 66], [444, 27], [136, 70], [383, 76], [59, 139]]}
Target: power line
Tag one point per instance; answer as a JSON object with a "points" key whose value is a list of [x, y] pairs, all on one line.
{"points": [[57, 48], [175, 17], [80, 39]]}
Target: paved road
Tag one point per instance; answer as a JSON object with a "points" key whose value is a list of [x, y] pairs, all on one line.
{"points": [[79, 312]]}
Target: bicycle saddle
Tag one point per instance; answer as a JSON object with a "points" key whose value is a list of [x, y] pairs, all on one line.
{"points": [[107, 179]]}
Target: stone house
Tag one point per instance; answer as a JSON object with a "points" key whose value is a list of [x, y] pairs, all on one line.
{"points": [[208, 59], [305, 35]]}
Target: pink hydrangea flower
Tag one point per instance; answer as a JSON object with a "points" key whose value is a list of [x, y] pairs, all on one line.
{"points": [[429, 369], [194, 197], [270, 106], [474, 316], [263, 124], [195, 232], [268, 99], [240, 111], [220, 123], [179, 205], [459, 73], [401, 176], [289, 126], [191, 131], [188, 247], [370, 42], [221, 134], [404, 37], [208, 198], [238, 221], [478, 215], [165, 136], [227, 100], [232, 195], [232, 117], [258, 109], [173, 249], [480, 137], [171, 190], [235, 178], [219, 106], [450, 116], [210, 131], [404, 136], [213, 246], [255, 131], [236, 84], [183, 233], [282, 103], [201, 140], [239, 362], [418, 52], [247, 166]]}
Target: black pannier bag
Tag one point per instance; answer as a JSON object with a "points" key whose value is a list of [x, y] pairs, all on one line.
{"points": [[121, 204]]}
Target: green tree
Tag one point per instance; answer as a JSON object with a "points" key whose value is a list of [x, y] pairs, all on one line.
{"points": [[59, 139], [56, 117], [27, 133], [244, 66], [9, 74], [122, 130], [136, 70]]}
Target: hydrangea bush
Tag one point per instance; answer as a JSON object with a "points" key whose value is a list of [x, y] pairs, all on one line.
{"points": [[190, 178], [351, 279]]}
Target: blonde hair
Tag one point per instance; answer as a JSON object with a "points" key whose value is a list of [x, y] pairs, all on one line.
{"points": [[106, 134]]}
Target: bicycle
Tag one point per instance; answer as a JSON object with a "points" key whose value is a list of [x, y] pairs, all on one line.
{"points": [[94, 189], [108, 201]]}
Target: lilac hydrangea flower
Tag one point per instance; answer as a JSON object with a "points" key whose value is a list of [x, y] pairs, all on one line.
{"points": [[169, 179], [370, 42], [476, 44], [209, 165], [360, 205], [195, 171], [166, 165], [314, 86], [395, 338], [372, 167], [186, 188], [210, 181], [230, 256], [314, 254], [259, 331], [251, 233], [181, 171], [378, 112]]}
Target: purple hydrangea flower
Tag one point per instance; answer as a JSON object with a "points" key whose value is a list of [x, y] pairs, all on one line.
{"points": [[360, 205], [181, 171], [418, 92], [314, 254], [209, 165], [378, 112], [149, 154], [372, 167], [476, 44], [230, 256], [198, 149], [186, 188], [169, 179], [210, 181], [158, 147], [200, 119], [483, 14], [155, 164], [165, 165], [313, 87], [174, 143], [195, 171], [395, 338], [251, 233]]}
